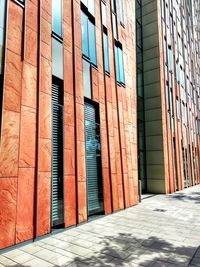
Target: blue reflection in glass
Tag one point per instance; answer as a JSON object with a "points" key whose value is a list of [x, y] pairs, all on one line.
{"points": [[106, 52], [2, 32], [117, 64], [121, 66], [92, 43], [57, 59], [91, 7], [84, 28], [57, 17], [121, 10]]}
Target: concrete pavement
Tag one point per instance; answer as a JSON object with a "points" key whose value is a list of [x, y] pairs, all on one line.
{"points": [[162, 231]]}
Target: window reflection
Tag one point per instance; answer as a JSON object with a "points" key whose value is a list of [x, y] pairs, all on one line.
{"points": [[92, 43], [57, 17], [86, 79], [57, 58], [106, 52], [84, 28], [2, 25]]}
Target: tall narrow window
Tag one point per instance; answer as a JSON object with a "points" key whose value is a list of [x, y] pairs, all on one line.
{"points": [[85, 40], [95, 201], [87, 79], [88, 37], [103, 13], [2, 50], [89, 53], [119, 63], [114, 19], [106, 52], [57, 179], [113, 6], [90, 6], [57, 17], [57, 58], [105, 38], [121, 10], [92, 43]]}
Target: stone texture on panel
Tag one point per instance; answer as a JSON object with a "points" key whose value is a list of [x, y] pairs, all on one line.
{"points": [[70, 200], [45, 155], [25, 205], [44, 203], [13, 82], [14, 33], [31, 16], [29, 83], [8, 197], [45, 115], [31, 48], [9, 144], [82, 202], [45, 75], [27, 137]]}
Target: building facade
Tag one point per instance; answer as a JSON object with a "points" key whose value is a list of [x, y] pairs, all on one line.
{"points": [[171, 94], [89, 102], [68, 114]]}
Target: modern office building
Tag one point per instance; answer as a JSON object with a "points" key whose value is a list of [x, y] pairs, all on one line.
{"points": [[89, 102], [168, 94]]}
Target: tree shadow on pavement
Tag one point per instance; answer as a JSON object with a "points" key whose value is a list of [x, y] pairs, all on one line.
{"points": [[191, 197], [127, 250]]}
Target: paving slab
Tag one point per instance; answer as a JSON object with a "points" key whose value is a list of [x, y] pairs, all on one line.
{"points": [[162, 231]]}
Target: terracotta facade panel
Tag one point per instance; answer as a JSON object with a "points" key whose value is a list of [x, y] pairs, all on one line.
{"points": [[9, 144], [8, 198], [27, 137], [25, 205]]}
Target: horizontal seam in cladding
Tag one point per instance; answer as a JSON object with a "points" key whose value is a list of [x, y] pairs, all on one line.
{"points": [[152, 83], [153, 69]]}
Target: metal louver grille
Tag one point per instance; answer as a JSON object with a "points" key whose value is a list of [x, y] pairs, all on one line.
{"points": [[57, 158], [93, 162]]}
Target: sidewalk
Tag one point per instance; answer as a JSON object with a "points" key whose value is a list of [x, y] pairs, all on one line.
{"points": [[163, 231]]}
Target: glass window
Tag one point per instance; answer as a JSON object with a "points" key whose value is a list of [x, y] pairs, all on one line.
{"points": [[117, 64], [84, 28], [140, 83], [114, 21], [178, 109], [103, 12], [106, 52], [57, 59], [92, 42], [121, 65], [139, 34], [87, 79], [121, 11], [113, 5], [91, 6], [84, 2], [2, 22], [88, 39], [170, 58], [57, 17]]}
